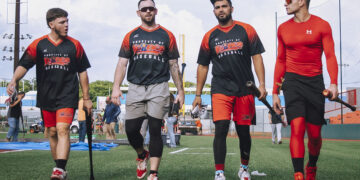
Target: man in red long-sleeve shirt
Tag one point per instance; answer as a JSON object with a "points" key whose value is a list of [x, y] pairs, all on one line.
{"points": [[302, 40]]}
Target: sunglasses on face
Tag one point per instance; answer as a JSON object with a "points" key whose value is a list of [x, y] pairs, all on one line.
{"points": [[288, 1], [145, 9]]}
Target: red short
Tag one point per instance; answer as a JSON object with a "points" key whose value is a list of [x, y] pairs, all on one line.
{"points": [[65, 115], [243, 108]]}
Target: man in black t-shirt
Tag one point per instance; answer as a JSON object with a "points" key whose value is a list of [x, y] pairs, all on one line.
{"points": [[230, 46], [152, 54], [60, 60], [276, 121], [13, 117]]}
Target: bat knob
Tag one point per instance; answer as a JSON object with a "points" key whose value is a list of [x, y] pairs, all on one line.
{"points": [[326, 93], [249, 84]]}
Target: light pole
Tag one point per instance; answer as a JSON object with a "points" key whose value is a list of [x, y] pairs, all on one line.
{"points": [[341, 64]]}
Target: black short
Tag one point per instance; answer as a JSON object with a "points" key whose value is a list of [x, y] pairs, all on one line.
{"points": [[303, 98]]}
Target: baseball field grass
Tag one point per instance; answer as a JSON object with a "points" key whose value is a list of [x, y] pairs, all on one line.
{"points": [[192, 160]]}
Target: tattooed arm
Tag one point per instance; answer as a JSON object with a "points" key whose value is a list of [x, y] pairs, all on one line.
{"points": [[177, 78]]}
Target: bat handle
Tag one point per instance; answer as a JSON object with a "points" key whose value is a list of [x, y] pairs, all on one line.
{"points": [[328, 94], [253, 88], [256, 92]]}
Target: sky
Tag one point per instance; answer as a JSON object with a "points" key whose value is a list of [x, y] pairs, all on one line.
{"points": [[100, 26]]}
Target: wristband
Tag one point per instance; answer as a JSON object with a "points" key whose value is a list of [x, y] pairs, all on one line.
{"points": [[198, 95]]}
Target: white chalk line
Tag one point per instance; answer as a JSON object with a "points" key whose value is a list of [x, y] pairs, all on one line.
{"points": [[185, 149], [181, 150]]}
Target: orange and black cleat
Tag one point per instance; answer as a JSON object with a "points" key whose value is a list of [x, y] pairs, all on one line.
{"points": [[299, 176]]}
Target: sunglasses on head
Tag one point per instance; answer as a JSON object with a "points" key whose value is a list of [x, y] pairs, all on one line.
{"points": [[145, 9], [288, 1]]}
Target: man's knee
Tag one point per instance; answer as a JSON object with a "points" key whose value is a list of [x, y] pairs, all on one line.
{"points": [[315, 139], [63, 130], [222, 128], [52, 132], [130, 130], [11, 123], [132, 126]]}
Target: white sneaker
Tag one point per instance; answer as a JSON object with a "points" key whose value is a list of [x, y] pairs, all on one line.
{"points": [[152, 177], [141, 166], [58, 174], [219, 175], [244, 174]]}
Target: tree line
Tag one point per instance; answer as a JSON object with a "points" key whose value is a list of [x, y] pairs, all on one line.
{"points": [[96, 88]]}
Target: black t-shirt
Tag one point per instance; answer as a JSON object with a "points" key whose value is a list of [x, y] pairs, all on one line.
{"points": [[230, 50], [57, 68], [275, 118], [149, 53], [15, 111]]}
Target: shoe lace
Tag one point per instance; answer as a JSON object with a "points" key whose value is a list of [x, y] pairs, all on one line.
{"points": [[153, 176], [141, 164], [57, 172]]}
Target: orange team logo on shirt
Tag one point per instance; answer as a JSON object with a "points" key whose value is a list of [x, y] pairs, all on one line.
{"points": [[62, 61], [231, 46], [143, 48]]}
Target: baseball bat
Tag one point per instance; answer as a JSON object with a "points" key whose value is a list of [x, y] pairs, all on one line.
{"points": [[328, 95], [256, 92], [183, 65], [89, 137]]}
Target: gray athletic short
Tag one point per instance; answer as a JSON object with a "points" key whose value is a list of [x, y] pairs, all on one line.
{"points": [[152, 100]]}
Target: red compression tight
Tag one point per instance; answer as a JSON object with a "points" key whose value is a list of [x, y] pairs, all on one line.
{"points": [[297, 148]]}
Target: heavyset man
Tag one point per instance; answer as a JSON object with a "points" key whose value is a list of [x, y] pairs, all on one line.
{"points": [[302, 40], [230, 46], [151, 52], [60, 60]]}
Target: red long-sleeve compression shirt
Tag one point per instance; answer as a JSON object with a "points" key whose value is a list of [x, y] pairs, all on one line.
{"points": [[300, 49]]}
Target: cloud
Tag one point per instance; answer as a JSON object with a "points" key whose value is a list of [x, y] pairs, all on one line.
{"points": [[101, 25], [184, 22]]}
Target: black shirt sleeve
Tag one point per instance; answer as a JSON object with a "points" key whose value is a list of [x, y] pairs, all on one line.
{"points": [[204, 53], [256, 47], [82, 59], [28, 60], [173, 52], [125, 51]]}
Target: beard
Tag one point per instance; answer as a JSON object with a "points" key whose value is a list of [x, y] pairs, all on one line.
{"points": [[148, 22], [224, 20], [58, 32]]}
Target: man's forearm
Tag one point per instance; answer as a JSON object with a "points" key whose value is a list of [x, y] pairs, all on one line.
{"points": [[259, 69], [176, 75], [201, 78], [120, 72], [16, 102], [84, 83], [19, 73]]}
